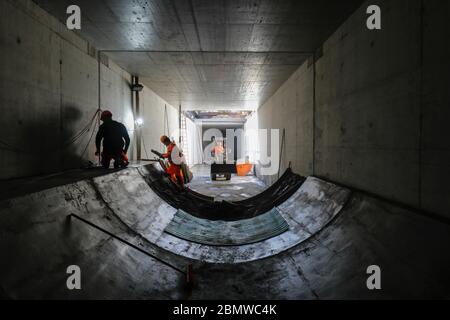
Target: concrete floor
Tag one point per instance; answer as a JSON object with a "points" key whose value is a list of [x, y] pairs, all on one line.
{"points": [[238, 188], [38, 243], [11, 188]]}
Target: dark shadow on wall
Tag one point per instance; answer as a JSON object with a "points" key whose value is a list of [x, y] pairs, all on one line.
{"points": [[48, 144], [72, 155], [3, 295]]}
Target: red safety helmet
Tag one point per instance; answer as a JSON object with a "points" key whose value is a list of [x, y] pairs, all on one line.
{"points": [[164, 139], [105, 115]]}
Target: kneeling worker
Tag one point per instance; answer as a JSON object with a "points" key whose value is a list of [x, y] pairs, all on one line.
{"points": [[115, 141], [174, 168]]}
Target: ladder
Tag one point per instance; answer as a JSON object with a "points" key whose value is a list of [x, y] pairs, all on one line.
{"points": [[184, 141]]}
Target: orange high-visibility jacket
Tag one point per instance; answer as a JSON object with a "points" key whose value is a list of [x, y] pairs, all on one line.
{"points": [[173, 168]]}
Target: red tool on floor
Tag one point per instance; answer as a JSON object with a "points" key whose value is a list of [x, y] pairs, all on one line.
{"points": [[190, 283]]}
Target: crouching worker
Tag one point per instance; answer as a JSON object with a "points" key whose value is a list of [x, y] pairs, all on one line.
{"points": [[115, 141], [174, 157]]}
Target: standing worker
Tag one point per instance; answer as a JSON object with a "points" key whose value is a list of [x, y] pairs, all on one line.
{"points": [[173, 154], [218, 151], [115, 141]]}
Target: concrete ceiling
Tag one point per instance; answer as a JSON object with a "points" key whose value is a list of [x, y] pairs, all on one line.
{"points": [[219, 120], [208, 54]]}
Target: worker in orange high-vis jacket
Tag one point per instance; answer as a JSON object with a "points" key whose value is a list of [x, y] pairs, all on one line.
{"points": [[174, 156]]}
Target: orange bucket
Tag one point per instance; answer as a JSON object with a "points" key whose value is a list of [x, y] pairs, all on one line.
{"points": [[243, 169]]}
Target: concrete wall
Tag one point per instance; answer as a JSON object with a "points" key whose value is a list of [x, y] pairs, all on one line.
{"points": [[380, 121], [156, 123], [291, 109], [49, 91], [435, 111]]}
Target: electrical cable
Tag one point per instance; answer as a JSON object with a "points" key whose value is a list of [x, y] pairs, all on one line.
{"points": [[89, 141], [145, 149], [6, 146]]}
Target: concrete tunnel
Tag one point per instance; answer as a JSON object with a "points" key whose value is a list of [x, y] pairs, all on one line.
{"points": [[316, 133]]}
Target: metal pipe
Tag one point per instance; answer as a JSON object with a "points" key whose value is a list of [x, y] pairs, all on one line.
{"points": [[126, 242], [99, 94], [211, 51], [179, 124], [314, 102], [138, 129]]}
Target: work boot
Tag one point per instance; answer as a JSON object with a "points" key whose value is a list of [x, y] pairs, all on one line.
{"points": [[118, 162]]}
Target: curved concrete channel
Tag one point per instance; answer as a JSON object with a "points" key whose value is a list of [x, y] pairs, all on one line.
{"points": [[307, 211], [334, 235]]}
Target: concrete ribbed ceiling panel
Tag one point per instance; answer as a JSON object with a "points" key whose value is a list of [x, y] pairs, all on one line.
{"points": [[208, 54]]}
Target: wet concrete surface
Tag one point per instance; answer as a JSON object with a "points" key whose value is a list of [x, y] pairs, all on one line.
{"points": [[227, 233]]}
